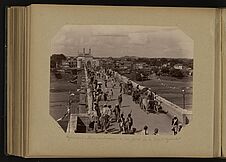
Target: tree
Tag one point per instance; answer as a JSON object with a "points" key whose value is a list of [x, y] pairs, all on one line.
{"points": [[165, 70], [176, 73], [52, 64], [163, 61], [56, 59]]}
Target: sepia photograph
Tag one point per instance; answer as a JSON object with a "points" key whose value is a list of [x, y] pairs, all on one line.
{"points": [[121, 79]]}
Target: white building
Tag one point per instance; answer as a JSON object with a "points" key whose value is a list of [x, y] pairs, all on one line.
{"points": [[178, 66], [84, 59], [96, 62], [72, 61]]}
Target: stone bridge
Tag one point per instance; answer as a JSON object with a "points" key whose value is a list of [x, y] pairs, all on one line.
{"points": [[141, 118]]}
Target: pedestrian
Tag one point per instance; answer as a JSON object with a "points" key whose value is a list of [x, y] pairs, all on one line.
{"points": [[106, 83], [91, 79], [117, 112], [110, 94], [106, 116], [106, 122], [110, 111], [174, 129], [179, 127], [112, 82], [144, 103], [134, 95], [96, 122], [95, 83], [121, 85], [145, 130], [121, 122], [102, 120], [156, 131], [129, 122], [97, 109], [107, 110], [140, 101], [105, 96], [120, 100], [175, 123], [158, 106], [99, 98]]}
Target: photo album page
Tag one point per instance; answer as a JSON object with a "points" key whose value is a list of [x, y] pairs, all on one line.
{"points": [[123, 81]]}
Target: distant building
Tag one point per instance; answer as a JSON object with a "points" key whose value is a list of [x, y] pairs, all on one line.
{"points": [[127, 64], [96, 62], [72, 61], [178, 66], [166, 64], [140, 66], [190, 71], [105, 62], [84, 58]]}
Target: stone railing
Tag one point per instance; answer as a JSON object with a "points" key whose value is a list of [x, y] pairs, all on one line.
{"points": [[183, 115], [89, 95]]}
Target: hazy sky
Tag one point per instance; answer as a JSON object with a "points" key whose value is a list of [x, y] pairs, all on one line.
{"points": [[123, 40]]}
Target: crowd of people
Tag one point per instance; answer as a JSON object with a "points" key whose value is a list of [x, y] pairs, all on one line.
{"points": [[105, 86], [105, 115]]}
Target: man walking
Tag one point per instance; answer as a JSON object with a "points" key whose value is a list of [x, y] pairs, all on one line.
{"points": [[106, 83], [120, 100], [105, 96], [121, 85], [129, 122], [121, 122], [117, 112], [110, 94], [175, 123], [145, 130]]}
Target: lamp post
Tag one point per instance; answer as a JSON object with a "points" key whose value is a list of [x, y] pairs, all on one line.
{"points": [[183, 93]]}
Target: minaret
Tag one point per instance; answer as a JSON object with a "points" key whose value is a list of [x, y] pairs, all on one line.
{"points": [[90, 51]]}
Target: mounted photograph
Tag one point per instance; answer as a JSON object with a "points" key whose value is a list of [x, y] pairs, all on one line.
{"points": [[121, 79]]}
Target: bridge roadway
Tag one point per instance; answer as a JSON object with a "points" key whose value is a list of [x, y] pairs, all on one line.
{"points": [[140, 117]]}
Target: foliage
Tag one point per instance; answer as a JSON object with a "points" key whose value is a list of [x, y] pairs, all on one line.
{"points": [[56, 59], [176, 73], [165, 70]]}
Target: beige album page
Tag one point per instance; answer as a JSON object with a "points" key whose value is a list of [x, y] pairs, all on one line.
{"points": [[223, 82], [91, 64]]}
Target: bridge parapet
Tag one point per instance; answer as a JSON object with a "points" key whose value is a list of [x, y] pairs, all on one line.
{"points": [[183, 115], [89, 94]]}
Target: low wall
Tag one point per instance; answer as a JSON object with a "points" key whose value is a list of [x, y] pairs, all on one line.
{"points": [[78, 123], [125, 79], [89, 94]]}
